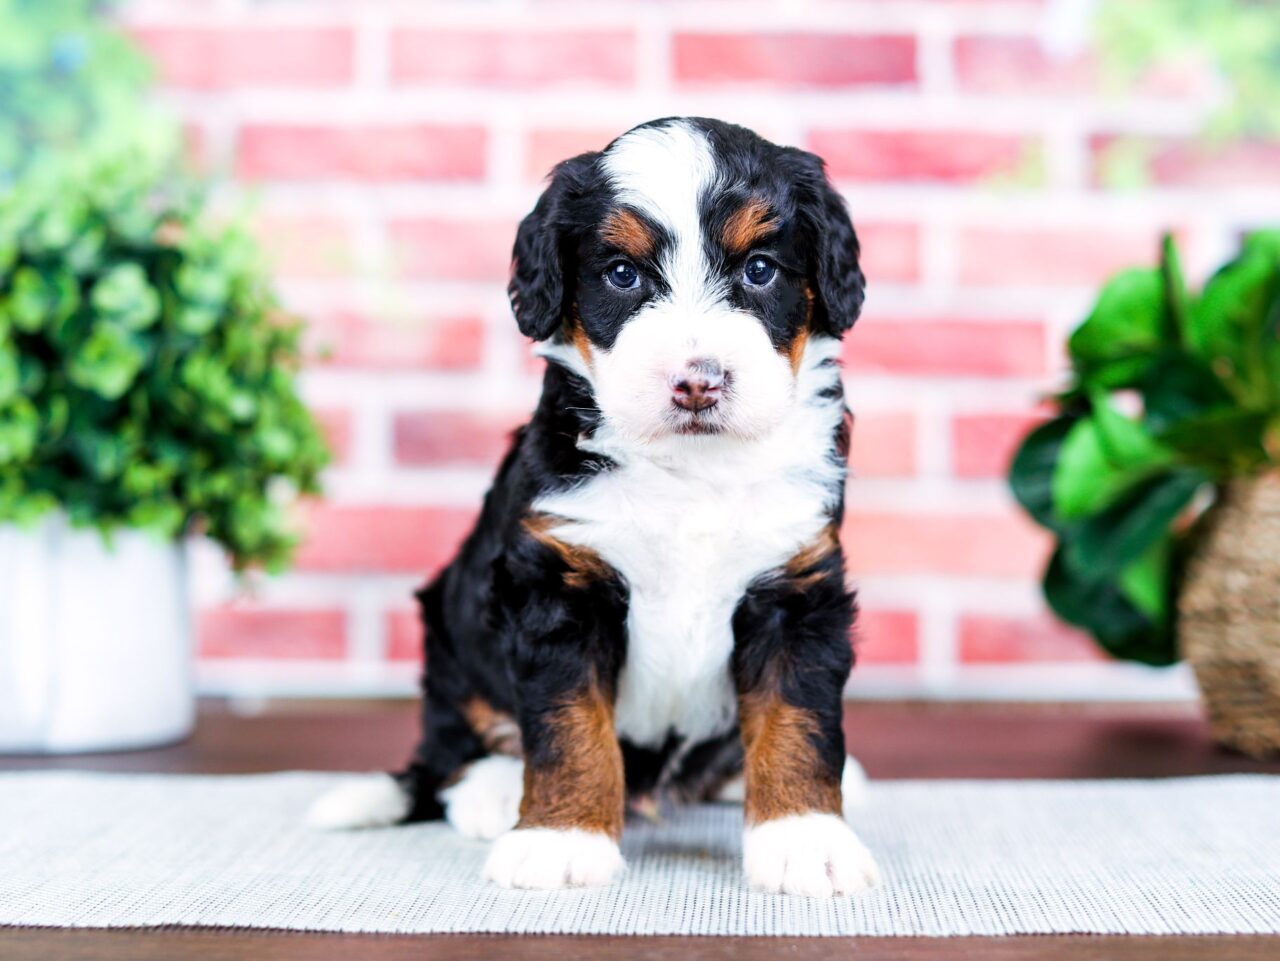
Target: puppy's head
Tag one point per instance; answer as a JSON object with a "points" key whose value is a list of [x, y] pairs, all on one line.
{"points": [[684, 272]]}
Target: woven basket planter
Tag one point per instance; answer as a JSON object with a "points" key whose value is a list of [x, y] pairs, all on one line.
{"points": [[1229, 624]]}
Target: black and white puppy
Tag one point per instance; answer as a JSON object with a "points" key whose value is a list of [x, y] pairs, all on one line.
{"points": [[653, 600]]}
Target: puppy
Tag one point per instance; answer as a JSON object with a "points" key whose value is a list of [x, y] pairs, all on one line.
{"points": [[653, 600]]}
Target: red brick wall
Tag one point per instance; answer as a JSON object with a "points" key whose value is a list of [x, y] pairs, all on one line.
{"points": [[393, 146]]}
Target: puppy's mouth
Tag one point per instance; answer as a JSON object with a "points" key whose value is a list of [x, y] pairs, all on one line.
{"points": [[709, 420]]}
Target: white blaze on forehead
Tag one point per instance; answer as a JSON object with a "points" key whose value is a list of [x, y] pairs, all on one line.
{"points": [[663, 171]]}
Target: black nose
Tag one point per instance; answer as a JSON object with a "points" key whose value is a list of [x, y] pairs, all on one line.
{"points": [[698, 386]]}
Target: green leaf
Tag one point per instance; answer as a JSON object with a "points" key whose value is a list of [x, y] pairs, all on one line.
{"points": [[1226, 440], [1145, 581], [1113, 539], [1177, 302], [1103, 456], [19, 427], [1100, 607], [124, 295], [108, 362], [37, 300], [1031, 473], [9, 376], [1113, 344], [1178, 386], [1228, 327]]}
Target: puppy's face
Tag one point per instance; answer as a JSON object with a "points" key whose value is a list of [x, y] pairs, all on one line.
{"points": [[683, 273]]}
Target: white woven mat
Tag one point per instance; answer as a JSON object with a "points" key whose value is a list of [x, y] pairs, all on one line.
{"points": [[1193, 856]]}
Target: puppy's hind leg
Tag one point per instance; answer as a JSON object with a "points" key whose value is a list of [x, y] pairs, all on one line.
{"points": [[379, 800], [449, 742]]}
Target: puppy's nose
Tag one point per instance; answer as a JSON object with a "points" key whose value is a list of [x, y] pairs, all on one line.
{"points": [[698, 386]]}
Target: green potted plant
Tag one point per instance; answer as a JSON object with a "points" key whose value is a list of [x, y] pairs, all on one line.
{"points": [[147, 392], [1157, 478]]}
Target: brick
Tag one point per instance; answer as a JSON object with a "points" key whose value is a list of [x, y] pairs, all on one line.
{"points": [[998, 544], [517, 59], [237, 632], [793, 60], [1019, 66], [546, 148], [444, 249], [887, 637], [366, 152], [453, 437], [336, 426], [390, 539], [314, 246], [958, 348], [983, 445], [996, 639], [990, 256], [352, 339], [884, 445], [890, 252], [404, 636], [952, 156], [211, 58]]}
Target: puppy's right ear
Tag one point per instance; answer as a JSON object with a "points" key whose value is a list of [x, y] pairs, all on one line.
{"points": [[541, 277]]}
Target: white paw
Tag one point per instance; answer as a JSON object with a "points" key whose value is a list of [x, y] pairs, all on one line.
{"points": [[368, 802], [853, 788], [733, 790], [486, 800], [816, 855], [548, 858]]}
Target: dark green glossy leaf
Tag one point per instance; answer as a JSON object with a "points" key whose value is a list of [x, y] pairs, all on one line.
{"points": [[1226, 440], [1101, 608], [1031, 473], [1103, 456], [1178, 386], [1107, 542]]}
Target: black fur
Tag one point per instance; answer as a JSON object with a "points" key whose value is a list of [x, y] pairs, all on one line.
{"points": [[500, 621]]}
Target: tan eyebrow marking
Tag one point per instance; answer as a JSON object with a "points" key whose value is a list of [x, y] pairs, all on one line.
{"points": [[625, 230], [747, 225]]}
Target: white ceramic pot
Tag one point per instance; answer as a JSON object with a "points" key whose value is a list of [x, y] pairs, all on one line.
{"points": [[96, 650]]}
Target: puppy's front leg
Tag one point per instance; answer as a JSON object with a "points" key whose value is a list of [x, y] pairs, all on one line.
{"points": [[791, 660], [572, 809]]}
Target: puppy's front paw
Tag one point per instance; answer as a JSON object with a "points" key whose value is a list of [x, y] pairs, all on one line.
{"points": [[486, 800], [548, 858], [816, 855]]}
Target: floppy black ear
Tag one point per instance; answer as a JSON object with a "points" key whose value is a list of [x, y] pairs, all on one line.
{"points": [[539, 284], [836, 275]]}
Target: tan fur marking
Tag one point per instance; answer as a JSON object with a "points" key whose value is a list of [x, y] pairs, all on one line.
{"points": [[783, 776], [584, 565], [584, 786], [795, 350], [497, 730], [795, 353], [625, 230], [747, 225], [581, 341], [801, 566]]}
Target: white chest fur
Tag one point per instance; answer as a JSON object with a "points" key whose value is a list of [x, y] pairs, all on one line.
{"points": [[690, 525]]}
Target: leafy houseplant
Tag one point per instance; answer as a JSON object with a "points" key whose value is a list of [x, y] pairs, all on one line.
{"points": [[1174, 400], [146, 374]]}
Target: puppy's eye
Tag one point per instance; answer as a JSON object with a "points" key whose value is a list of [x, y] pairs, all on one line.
{"points": [[623, 275], [759, 271]]}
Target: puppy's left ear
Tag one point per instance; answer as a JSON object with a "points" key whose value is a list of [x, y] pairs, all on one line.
{"points": [[835, 272], [540, 275]]}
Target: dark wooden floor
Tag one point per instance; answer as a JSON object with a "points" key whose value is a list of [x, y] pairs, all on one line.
{"points": [[892, 740]]}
